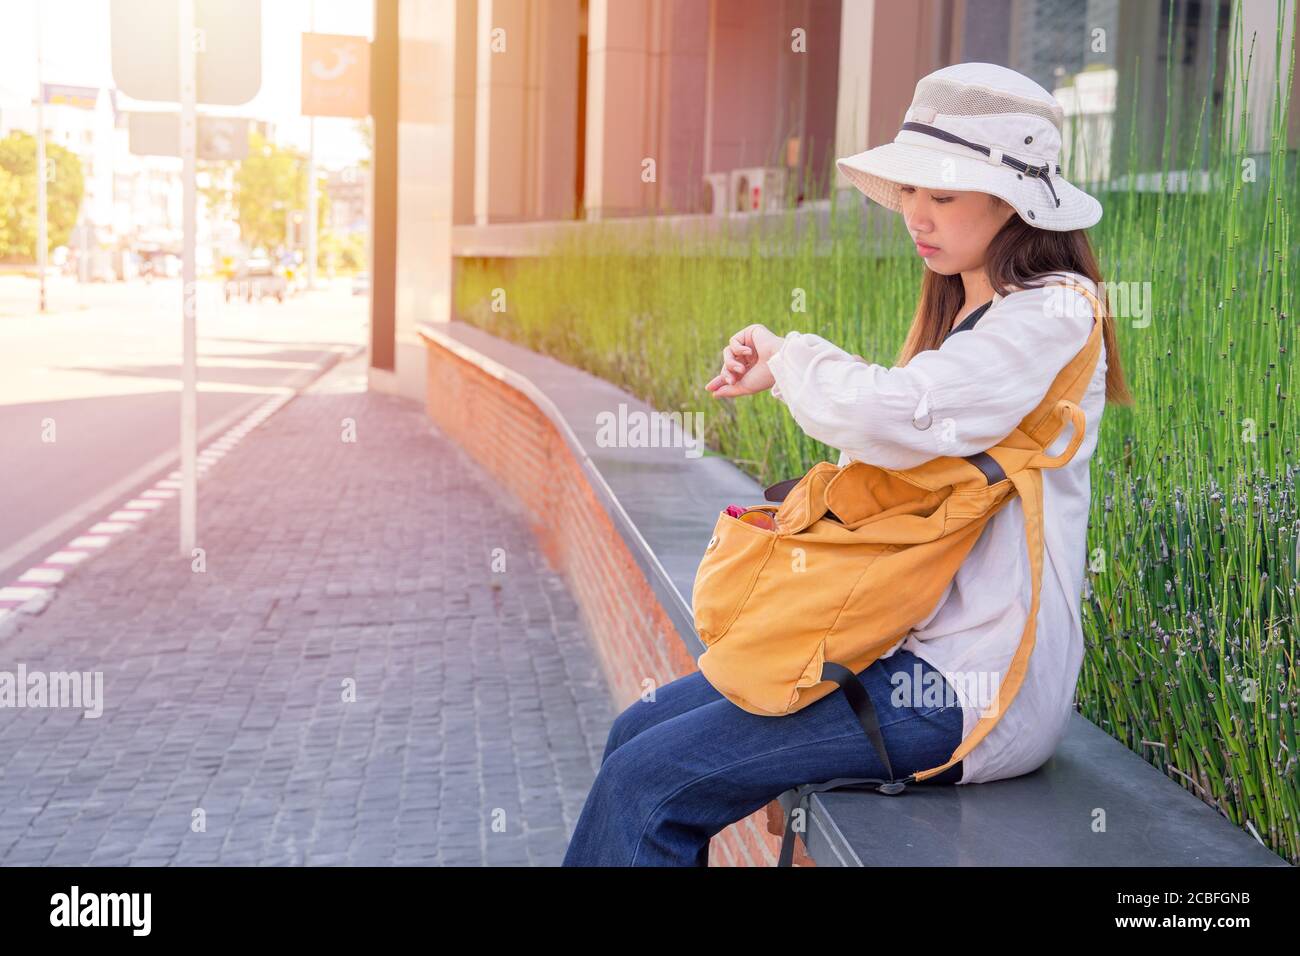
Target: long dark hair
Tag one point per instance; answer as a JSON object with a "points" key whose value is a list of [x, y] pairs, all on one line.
{"points": [[1020, 256]]}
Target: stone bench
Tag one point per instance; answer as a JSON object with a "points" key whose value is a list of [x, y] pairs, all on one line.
{"points": [[1043, 818], [627, 526]]}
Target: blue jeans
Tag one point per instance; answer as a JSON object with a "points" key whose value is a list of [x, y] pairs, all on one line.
{"points": [[688, 764]]}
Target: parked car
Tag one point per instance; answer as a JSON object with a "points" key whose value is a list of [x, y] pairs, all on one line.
{"points": [[257, 279]]}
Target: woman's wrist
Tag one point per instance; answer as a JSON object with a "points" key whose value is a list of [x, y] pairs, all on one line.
{"points": [[766, 342]]}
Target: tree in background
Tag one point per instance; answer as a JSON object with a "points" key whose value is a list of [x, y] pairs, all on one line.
{"points": [[63, 194], [11, 192], [270, 183], [346, 253]]}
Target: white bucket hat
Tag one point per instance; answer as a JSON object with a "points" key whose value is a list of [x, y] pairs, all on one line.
{"points": [[983, 128]]}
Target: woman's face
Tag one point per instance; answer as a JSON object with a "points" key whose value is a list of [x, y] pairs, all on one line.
{"points": [[952, 229]]}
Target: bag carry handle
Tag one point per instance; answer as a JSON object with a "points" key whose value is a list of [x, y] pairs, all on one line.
{"points": [[1073, 414]]}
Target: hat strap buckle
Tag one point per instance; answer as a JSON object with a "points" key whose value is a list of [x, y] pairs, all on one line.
{"points": [[992, 154]]}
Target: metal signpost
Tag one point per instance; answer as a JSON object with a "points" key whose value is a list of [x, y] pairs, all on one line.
{"points": [[186, 41], [189, 51], [41, 238]]}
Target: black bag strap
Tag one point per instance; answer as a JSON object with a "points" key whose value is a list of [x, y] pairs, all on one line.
{"points": [[865, 711], [778, 491], [993, 472]]}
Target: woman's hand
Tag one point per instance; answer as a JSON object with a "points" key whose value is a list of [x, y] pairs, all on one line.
{"points": [[744, 363]]}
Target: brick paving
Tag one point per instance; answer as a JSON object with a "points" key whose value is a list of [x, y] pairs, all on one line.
{"points": [[480, 710]]}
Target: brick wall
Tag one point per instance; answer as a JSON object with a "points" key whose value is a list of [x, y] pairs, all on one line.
{"points": [[515, 441]]}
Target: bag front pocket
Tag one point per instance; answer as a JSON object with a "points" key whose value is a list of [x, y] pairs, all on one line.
{"points": [[731, 564]]}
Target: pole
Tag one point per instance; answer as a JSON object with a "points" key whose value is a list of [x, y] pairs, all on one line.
{"points": [[189, 375], [311, 177], [42, 240], [83, 246]]}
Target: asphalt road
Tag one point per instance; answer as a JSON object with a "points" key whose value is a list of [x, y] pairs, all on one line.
{"points": [[90, 390]]}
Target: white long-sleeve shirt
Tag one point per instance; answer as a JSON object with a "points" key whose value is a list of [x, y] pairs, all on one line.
{"points": [[976, 388]]}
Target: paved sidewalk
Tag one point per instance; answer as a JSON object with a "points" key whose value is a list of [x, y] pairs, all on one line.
{"points": [[480, 711]]}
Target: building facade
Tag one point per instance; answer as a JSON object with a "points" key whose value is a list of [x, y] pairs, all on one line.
{"points": [[497, 121]]}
